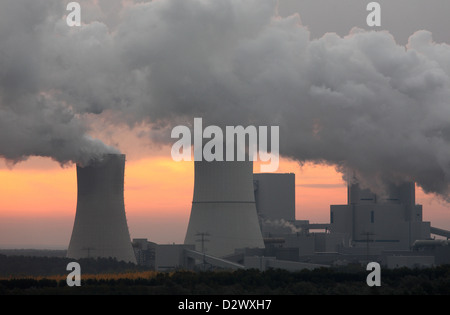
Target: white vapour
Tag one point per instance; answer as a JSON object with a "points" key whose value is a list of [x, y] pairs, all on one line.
{"points": [[359, 102], [281, 223]]}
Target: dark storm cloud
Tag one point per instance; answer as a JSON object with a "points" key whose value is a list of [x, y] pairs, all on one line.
{"points": [[360, 102]]}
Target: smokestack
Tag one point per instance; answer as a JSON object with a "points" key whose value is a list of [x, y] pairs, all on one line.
{"points": [[223, 216], [100, 228]]}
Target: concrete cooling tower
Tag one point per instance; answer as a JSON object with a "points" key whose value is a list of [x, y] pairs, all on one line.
{"points": [[100, 228], [223, 208]]}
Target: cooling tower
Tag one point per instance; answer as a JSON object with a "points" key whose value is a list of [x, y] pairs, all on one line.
{"points": [[100, 228], [223, 208]]}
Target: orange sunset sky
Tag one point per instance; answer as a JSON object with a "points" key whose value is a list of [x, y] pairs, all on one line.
{"points": [[38, 197]]}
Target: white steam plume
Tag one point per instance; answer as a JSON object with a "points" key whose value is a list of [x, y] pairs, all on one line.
{"points": [[281, 223], [359, 102]]}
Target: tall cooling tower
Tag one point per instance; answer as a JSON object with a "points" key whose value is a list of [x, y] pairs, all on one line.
{"points": [[223, 215], [100, 228]]}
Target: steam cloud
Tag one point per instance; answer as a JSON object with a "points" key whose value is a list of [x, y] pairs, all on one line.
{"points": [[360, 102], [282, 224]]}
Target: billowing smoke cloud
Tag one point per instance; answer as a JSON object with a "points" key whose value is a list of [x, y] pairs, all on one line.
{"points": [[33, 120], [360, 102]]}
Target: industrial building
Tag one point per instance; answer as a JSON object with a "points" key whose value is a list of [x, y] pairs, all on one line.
{"points": [[275, 201], [145, 252], [243, 220], [387, 228], [391, 221], [100, 228], [223, 208]]}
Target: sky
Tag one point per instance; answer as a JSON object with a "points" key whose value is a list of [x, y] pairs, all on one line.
{"points": [[342, 97]]}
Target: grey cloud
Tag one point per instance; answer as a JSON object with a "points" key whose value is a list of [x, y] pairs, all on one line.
{"points": [[360, 102]]}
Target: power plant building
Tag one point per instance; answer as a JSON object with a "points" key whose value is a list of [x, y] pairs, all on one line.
{"points": [[275, 201], [223, 216], [243, 220], [389, 221], [100, 228]]}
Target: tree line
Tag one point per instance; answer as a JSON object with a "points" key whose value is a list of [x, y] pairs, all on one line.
{"points": [[348, 280], [22, 266]]}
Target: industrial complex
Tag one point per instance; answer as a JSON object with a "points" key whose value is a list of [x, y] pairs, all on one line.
{"points": [[243, 220]]}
